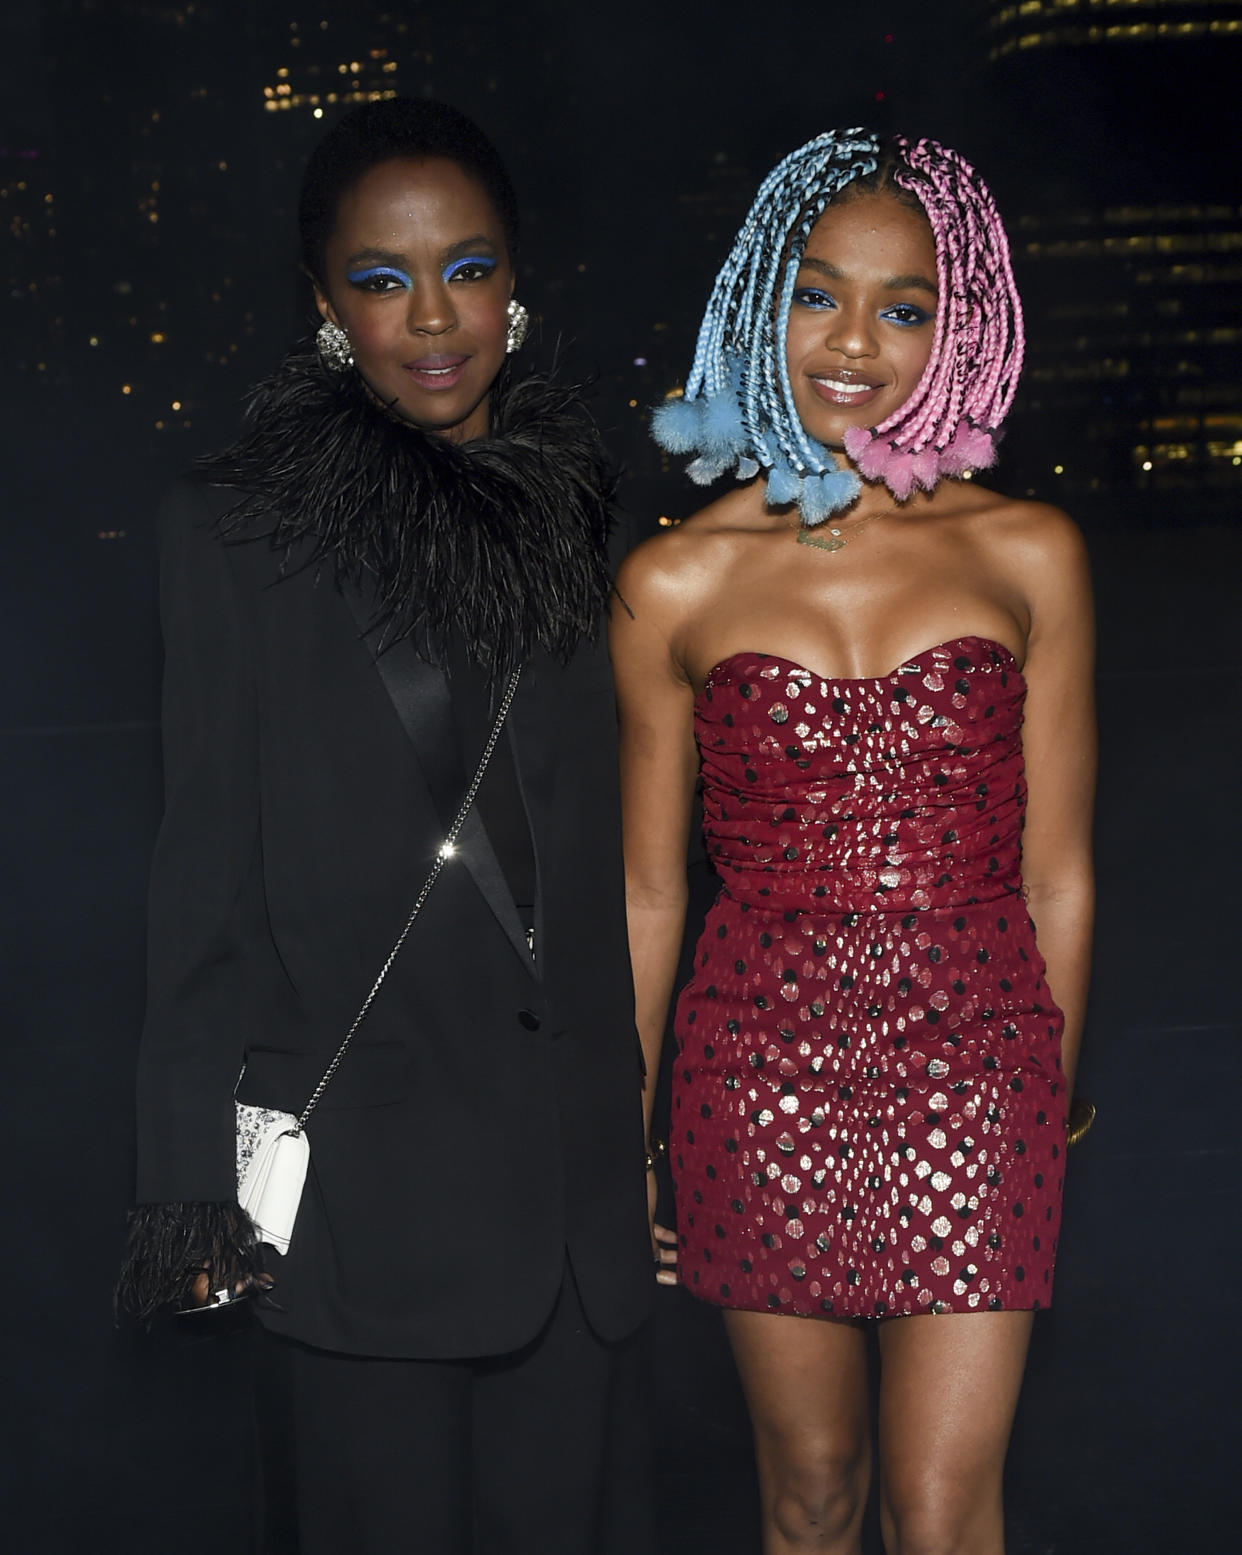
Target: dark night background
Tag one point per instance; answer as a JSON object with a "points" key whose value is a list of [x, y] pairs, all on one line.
{"points": [[149, 158]]}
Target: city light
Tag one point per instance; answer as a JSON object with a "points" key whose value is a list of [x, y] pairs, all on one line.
{"points": [[1134, 333]]}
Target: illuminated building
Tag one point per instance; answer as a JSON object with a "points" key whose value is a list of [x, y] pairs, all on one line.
{"points": [[1014, 26], [143, 144], [1111, 127], [1135, 337], [330, 65], [33, 287]]}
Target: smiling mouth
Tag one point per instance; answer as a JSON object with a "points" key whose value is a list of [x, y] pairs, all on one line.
{"points": [[844, 386], [436, 372]]}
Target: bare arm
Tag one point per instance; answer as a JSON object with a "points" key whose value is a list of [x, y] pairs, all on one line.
{"points": [[659, 766], [1059, 744]]}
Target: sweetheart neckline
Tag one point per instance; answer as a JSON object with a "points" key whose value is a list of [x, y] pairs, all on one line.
{"points": [[863, 680]]}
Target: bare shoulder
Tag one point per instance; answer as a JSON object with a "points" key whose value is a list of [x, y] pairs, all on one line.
{"points": [[680, 567], [1039, 531], [1036, 547]]}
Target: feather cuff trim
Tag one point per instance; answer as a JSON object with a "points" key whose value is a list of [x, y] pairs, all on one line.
{"points": [[170, 1244]]}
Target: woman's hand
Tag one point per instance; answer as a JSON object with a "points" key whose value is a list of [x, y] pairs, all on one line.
{"points": [[204, 1293], [190, 1256], [663, 1241]]}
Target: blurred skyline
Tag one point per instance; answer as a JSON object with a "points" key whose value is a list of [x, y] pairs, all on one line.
{"points": [[150, 152]]}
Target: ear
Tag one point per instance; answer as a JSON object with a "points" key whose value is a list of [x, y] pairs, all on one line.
{"points": [[322, 301]]}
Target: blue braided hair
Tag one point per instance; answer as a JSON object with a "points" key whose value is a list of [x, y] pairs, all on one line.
{"points": [[737, 410]]}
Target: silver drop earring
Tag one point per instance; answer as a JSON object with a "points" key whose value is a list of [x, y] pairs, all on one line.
{"points": [[519, 323], [335, 350]]}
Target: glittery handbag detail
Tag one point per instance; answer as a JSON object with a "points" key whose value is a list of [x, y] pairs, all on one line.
{"points": [[273, 1152]]}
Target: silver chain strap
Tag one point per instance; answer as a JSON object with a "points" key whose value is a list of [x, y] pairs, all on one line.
{"points": [[443, 854]]}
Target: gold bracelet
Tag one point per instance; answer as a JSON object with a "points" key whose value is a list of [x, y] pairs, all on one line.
{"points": [[653, 1152], [1081, 1117]]}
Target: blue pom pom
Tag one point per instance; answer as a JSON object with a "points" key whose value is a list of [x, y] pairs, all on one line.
{"points": [[677, 425], [747, 468], [783, 485], [721, 423], [825, 494], [842, 486], [813, 501], [706, 469]]}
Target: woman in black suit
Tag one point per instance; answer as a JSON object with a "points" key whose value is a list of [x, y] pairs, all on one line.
{"points": [[346, 593]]}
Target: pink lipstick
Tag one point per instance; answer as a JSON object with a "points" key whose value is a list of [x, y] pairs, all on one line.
{"points": [[438, 371], [845, 386]]}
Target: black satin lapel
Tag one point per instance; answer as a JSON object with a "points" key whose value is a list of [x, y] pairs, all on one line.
{"points": [[420, 695]]}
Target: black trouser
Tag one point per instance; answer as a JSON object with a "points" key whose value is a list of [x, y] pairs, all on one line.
{"points": [[541, 1452]]}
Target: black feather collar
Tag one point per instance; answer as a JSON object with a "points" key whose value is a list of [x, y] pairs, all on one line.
{"points": [[500, 541]]}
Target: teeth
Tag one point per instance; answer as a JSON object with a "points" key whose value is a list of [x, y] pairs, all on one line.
{"points": [[840, 386]]}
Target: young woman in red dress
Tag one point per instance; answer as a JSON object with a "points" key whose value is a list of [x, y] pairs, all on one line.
{"points": [[881, 673]]}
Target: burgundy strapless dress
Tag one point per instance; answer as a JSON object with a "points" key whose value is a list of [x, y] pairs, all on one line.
{"points": [[868, 1112]]}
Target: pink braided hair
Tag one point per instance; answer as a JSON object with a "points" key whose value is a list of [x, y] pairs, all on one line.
{"points": [[948, 424]]}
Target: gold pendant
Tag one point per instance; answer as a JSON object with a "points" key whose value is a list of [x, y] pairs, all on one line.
{"points": [[808, 537]]}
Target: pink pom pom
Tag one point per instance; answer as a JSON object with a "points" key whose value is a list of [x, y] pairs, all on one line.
{"points": [[878, 460], [925, 468], [970, 448], [857, 440]]}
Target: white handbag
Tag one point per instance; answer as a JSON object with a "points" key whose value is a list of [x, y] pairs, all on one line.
{"points": [[273, 1152], [272, 1156]]}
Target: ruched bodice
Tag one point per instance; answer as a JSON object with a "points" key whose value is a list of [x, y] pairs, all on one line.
{"points": [[873, 795], [867, 1110]]}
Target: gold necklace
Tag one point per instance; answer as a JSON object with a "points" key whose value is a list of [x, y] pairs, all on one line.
{"points": [[837, 540]]}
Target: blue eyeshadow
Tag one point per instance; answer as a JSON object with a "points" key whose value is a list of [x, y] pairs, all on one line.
{"points": [[451, 270], [390, 271]]}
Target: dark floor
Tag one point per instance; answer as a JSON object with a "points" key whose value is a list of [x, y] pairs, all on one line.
{"points": [[1126, 1439]]}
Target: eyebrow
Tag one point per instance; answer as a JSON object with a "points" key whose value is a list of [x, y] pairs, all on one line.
{"points": [[905, 283], [895, 283], [470, 246], [381, 256]]}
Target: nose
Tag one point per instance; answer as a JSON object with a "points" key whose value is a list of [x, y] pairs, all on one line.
{"points": [[851, 330], [431, 310]]}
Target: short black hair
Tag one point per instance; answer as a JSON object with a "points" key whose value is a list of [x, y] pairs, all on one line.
{"points": [[378, 132]]}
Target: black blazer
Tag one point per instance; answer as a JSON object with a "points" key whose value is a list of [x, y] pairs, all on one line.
{"points": [[487, 1116]]}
